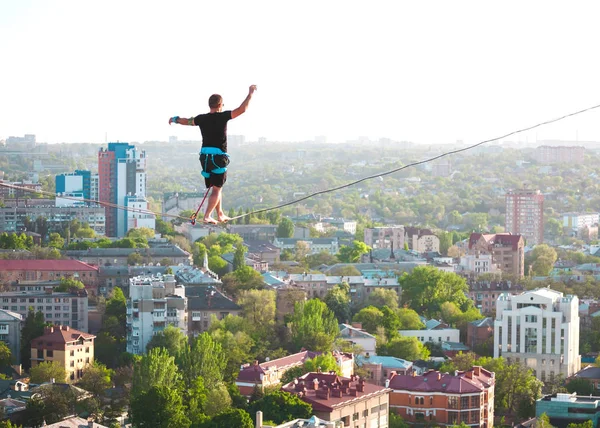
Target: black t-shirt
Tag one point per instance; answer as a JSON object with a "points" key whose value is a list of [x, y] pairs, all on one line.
{"points": [[214, 129]]}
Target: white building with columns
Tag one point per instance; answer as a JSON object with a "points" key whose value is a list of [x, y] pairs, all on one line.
{"points": [[539, 328]]}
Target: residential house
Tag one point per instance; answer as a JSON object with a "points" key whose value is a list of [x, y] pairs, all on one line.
{"points": [[269, 373], [355, 335], [254, 232], [507, 250], [347, 401], [204, 302], [379, 368], [485, 293], [286, 298], [435, 331], [444, 399], [591, 374], [385, 237], [315, 245], [262, 250], [75, 422], [72, 349], [315, 285], [421, 240], [480, 333]]}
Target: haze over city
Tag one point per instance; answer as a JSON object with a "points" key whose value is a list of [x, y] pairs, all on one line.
{"points": [[433, 72]]}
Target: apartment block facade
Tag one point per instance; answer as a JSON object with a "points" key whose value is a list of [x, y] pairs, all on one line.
{"points": [[525, 215], [573, 155], [122, 181], [385, 237], [17, 271], [153, 303], [15, 218], [10, 333], [539, 328], [67, 309], [507, 251]]}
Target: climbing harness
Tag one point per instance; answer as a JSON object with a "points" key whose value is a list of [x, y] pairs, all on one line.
{"points": [[214, 161]]}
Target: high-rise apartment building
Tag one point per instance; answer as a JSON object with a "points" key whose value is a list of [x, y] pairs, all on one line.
{"points": [[525, 215], [540, 329], [560, 154], [154, 302], [122, 181]]}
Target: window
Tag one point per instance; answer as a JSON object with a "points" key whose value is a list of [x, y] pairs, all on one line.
{"points": [[452, 418], [475, 401], [40, 354], [452, 403], [72, 353], [464, 402], [355, 416], [72, 364], [50, 353]]}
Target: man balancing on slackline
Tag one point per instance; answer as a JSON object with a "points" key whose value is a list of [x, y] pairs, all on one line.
{"points": [[213, 155]]}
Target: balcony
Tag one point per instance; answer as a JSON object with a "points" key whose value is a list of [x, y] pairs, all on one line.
{"points": [[159, 316]]}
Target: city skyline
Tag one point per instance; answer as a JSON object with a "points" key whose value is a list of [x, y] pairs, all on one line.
{"points": [[464, 71]]}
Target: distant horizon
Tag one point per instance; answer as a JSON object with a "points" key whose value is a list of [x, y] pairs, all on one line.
{"points": [[428, 73]]}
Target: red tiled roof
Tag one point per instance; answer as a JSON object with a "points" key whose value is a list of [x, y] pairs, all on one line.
{"points": [[252, 373], [434, 381], [58, 337], [325, 399], [46, 265]]}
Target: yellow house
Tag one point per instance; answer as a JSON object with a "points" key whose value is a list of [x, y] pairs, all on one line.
{"points": [[73, 349]]}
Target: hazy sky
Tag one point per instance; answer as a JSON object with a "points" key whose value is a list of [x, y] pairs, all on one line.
{"points": [[423, 71]]}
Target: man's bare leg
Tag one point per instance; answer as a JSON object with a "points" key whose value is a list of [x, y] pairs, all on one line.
{"points": [[213, 200], [220, 214]]}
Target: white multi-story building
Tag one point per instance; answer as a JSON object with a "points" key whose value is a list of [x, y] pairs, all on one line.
{"points": [[539, 328], [578, 221], [141, 218], [478, 264], [154, 302]]}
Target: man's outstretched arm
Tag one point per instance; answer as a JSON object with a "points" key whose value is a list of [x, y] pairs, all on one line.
{"points": [[244, 106], [182, 121]]}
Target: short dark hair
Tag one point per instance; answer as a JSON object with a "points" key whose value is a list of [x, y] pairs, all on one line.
{"points": [[215, 100]]}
